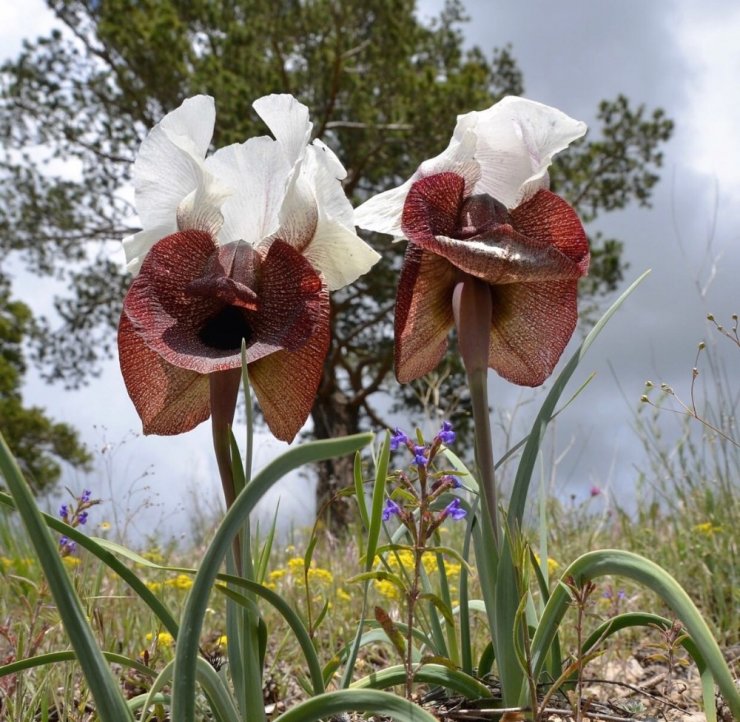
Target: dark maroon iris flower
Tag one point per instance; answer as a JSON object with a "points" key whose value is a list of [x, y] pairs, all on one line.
{"points": [[187, 312], [530, 258]]}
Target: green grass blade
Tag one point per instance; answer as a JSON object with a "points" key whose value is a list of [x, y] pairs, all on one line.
{"points": [[186, 652], [437, 674], [531, 448], [103, 686], [290, 616], [101, 548], [629, 565], [374, 525], [68, 655], [356, 700], [360, 491], [381, 474]]}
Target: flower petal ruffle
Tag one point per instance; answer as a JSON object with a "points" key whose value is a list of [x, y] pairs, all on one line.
{"points": [[423, 312], [499, 253], [169, 400], [286, 382], [531, 325]]}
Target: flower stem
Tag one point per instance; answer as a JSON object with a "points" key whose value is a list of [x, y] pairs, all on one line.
{"points": [[224, 386], [472, 309]]}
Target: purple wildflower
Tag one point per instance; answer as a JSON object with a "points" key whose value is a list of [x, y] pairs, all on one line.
{"points": [[86, 496], [390, 509], [82, 517], [454, 510], [398, 439], [595, 491], [446, 435], [420, 455], [63, 511]]}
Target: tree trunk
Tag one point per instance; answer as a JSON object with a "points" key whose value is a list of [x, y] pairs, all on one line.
{"points": [[335, 415]]}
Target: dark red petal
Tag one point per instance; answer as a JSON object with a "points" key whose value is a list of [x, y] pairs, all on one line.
{"points": [[530, 327], [169, 400], [291, 302], [547, 218], [498, 253], [286, 382], [423, 313], [166, 315], [432, 206]]}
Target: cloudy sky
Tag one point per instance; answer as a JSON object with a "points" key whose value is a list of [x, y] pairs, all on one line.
{"points": [[677, 54]]}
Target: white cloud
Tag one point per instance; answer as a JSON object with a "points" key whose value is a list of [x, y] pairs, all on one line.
{"points": [[711, 119]]}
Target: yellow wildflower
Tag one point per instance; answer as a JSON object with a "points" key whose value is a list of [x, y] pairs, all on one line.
{"points": [[277, 574], [71, 562], [163, 639], [296, 565], [181, 581], [707, 528], [322, 576], [154, 586], [104, 525], [343, 596], [222, 640], [387, 589]]}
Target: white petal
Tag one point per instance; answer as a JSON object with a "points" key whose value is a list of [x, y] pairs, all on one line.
{"points": [[288, 121], [517, 139], [258, 172], [164, 174], [325, 172], [138, 245], [382, 213], [201, 209], [339, 254], [169, 164], [191, 125]]}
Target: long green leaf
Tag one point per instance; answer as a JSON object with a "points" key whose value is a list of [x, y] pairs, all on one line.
{"points": [[531, 448], [436, 674], [626, 564], [356, 700], [186, 652], [373, 534], [109, 701], [290, 616], [644, 619], [68, 655]]}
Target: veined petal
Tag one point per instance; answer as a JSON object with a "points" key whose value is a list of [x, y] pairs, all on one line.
{"points": [[288, 121], [166, 316], [200, 210], [383, 213], [530, 327], [286, 382], [423, 313], [258, 172], [516, 141], [292, 301], [547, 218], [498, 253], [137, 245], [169, 400]]}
